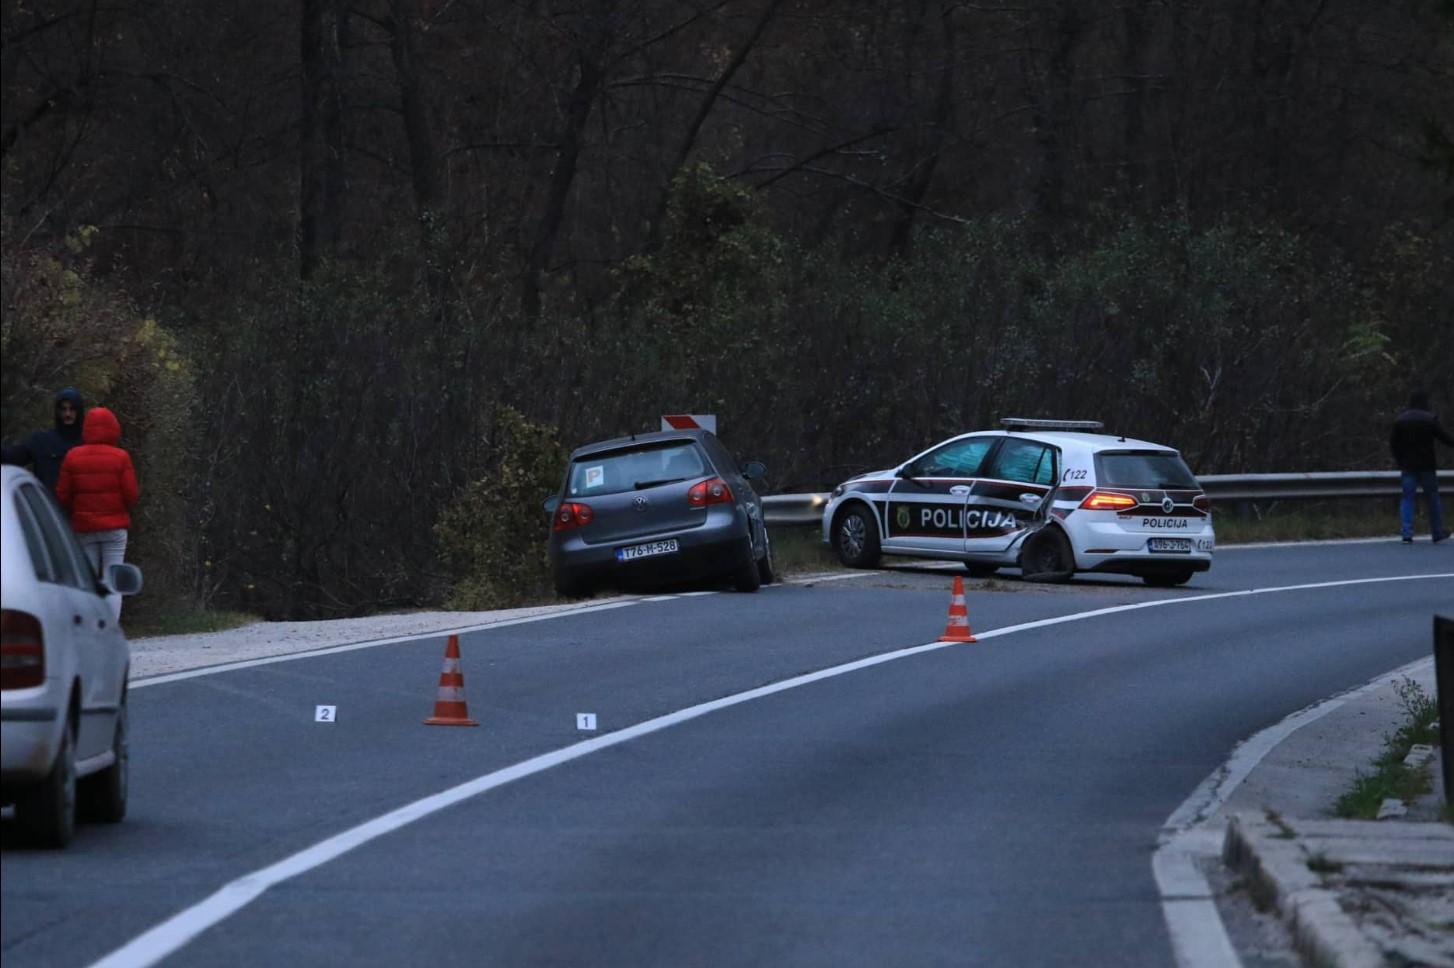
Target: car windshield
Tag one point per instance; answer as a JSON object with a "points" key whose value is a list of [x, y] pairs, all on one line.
{"points": [[1157, 469], [650, 465]]}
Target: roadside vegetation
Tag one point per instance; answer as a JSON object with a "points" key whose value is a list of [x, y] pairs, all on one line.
{"points": [[1390, 776], [334, 333], [1310, 521], [178, 621]]}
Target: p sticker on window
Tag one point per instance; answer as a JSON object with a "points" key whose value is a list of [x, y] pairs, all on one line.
{"points": [[595, 476]]}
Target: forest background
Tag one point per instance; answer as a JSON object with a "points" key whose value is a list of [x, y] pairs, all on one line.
{"points": [[354, 272]]}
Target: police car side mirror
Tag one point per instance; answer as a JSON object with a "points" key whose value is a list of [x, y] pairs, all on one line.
{"points": [[551, 503]]}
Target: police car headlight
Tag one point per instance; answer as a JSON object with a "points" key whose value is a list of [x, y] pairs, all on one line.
{"points": [[838, 491]]}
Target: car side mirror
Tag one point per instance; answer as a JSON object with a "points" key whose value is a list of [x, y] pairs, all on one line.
{"points": [[754, 469], [551, 503], [123, 579]]}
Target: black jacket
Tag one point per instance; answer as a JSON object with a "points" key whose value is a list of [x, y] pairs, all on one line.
{"points": [[45, 449], [1412, 440]]}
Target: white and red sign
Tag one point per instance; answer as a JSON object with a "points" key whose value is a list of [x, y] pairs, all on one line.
{"points": [[689, 421]]}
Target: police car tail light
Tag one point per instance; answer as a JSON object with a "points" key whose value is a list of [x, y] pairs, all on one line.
{"points": [[1201, 502], [711, 491], [572, 515], [1107, 501], [22, 650]]}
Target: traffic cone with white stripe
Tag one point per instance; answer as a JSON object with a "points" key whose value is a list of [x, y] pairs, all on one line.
{"points": [[957, 630], [450, 708]]}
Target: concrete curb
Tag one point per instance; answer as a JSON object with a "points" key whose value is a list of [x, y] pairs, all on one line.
{"points": [[1275, 863]]}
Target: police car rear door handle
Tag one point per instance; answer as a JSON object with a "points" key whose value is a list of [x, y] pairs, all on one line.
{"points": [[959, 489], [1031, 499]]}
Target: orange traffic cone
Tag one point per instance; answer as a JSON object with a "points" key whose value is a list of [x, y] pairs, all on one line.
{"points": [[450, 708], [958, 628]]}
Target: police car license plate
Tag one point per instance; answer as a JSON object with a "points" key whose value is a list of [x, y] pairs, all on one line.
{"points": [[1182, 545], [646, 550]]}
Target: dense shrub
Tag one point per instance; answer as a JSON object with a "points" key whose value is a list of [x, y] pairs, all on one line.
{"points": [[367, 440], [492, 537], [342, 416], [63, 326]]}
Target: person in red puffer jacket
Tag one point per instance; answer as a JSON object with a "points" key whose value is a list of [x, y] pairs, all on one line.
{"points": [[98, 487]]}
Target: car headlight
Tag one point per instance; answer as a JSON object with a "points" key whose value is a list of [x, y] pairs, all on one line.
{"points": [[838, 491]]}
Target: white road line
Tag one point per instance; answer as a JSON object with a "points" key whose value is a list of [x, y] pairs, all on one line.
{"points": [[174, 933], [827, 576]]}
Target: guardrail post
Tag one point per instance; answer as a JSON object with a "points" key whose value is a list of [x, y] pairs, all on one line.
{"points": [[1444, 685]]}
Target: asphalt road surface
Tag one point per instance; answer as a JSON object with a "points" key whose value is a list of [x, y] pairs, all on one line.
{"points": [[987, 804]]}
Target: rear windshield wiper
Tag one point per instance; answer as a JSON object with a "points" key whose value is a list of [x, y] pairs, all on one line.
{"points": [[641, 485]]}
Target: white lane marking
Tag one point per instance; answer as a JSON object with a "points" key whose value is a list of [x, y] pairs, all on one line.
{"points": [[171, 935], [826, 576]]}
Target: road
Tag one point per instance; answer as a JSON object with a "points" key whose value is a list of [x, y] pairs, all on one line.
{"points": [[995, 803]]}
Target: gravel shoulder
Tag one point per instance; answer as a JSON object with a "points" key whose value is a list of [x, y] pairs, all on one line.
{"points": [[158, 655]]}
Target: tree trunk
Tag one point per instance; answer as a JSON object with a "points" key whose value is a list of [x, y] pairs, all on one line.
{"points": [[424, 158], [320, 164], [578, 111], [704, 110]]}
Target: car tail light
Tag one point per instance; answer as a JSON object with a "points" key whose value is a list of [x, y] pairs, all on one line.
{"points": [[22, 650], [714, 490], [1107, 501], [571, 515], [1201, 502]]}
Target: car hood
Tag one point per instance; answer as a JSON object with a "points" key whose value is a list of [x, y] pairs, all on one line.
{"points": [[871, 475]]}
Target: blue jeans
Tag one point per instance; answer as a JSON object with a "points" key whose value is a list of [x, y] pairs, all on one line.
{"points": [[1412, 481]]}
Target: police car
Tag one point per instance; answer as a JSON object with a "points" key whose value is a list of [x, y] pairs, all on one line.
{"points": [[1051, 497]]}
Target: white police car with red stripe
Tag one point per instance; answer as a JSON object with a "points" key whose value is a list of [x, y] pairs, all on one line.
{"points": [[1049, 497]]}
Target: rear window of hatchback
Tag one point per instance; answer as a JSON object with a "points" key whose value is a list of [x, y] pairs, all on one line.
{"points": [[634, 469], [1161, 470]]}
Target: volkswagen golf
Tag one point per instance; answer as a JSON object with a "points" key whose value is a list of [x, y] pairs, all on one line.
{"points": [[1051, 497], [664, 507]]}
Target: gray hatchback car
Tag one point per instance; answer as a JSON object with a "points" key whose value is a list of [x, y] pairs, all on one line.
{"points": [[665, 507]]}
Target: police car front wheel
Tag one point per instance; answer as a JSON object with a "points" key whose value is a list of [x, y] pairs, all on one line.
{"points": [[855, 537], [1047, 556]]}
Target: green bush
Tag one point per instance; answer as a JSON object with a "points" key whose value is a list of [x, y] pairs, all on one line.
{"points": [[492, 537], [64, 326]]}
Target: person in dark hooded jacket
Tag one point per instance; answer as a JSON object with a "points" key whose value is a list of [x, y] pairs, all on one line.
{"points": [[1412, 443], [44, 450]]}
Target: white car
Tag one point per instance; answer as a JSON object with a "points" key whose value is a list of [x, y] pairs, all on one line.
{"points": [[1046, 496], [63, 669]]}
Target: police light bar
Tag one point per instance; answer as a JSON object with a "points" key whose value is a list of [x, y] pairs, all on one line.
{"points": [[1033, 423]]}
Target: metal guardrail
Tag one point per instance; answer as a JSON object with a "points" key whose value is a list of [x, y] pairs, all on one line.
{"points": [[806, 509]]}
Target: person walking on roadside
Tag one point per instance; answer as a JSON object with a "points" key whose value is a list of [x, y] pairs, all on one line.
{"points": [[97, 487], [45, 449], [1412, 443]]}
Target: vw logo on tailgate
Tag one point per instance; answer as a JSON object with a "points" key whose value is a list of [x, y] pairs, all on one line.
{"points": [[1167, 504], [639, 503]]}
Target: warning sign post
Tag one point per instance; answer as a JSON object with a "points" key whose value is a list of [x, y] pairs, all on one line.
{"points": [[689, 421]]}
